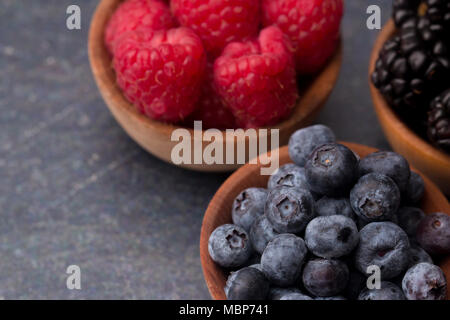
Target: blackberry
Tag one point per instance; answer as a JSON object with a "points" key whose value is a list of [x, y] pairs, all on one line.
{"points": [[414, 64], [438, 126], [409, 75], [432, 17]]}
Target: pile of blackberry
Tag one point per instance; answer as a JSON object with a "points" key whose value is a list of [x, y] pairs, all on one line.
{"points": [[413, 67], [439, 121]]}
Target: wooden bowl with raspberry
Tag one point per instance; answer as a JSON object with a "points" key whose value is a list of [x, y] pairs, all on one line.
{"points": [[156, 136], [219, 212], [432, 161]]}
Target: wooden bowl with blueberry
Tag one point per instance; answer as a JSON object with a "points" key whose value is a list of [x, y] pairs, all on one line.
{"points": [[340, 209], [155, 76], [410, 85]]}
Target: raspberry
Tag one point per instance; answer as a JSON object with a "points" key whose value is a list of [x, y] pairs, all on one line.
{"points": [[219, 22], [161, 72], [211, 110], [132, 14], [257, 79], [312, 25]]}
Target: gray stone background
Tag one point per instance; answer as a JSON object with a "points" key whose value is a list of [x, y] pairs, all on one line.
{"points": [[74, 189]]}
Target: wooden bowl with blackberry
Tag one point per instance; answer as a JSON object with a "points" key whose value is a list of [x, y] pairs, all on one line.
{"points": [[410, 85], [154, 67], [316, 228]]}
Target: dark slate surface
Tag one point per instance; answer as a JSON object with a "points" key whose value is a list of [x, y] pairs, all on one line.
{"points": [[74, 189]]}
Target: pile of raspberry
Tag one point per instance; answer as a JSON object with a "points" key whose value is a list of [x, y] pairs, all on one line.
{"points": [[228, 63]]}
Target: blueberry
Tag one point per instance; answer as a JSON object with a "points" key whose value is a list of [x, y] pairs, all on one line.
{"points": [[409, 218], [424, 281], [331, 298], [433, 234], [247, 284], [289, 209], [305, 140], [375, 197], [331, 236], [289, 175], [256, 266], [385, 245], [325, 278], [283, 258], [229, 246], [247, 206], [418, 255], [388, 163], [276, 293], [331, 169], [295, 296], [332, 206], [261, 233], [388, 291], [356, 283], [415, 189]]}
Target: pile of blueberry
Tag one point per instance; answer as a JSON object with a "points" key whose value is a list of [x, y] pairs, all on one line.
{"points": [[325, 222]]}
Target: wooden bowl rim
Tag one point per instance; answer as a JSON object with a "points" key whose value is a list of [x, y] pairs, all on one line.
{"points": [[208, 265], [381, 106], [96, 32]]}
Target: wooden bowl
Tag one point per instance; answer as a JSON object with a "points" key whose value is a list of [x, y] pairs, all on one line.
{"points": [[421, 154], [219, 213], [154, 136]]}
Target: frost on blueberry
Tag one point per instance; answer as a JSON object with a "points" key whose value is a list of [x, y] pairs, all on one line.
{"points": [[283, 258], [289, 175], [388, 163], [229, 246], [247, 284], [424, 281], [276, 293], [325, 278], [331, 169], [375, 197], [289, 209], [385, 245], [388, 291], [295, 296], [261, 233], [331, 298], [305, 140], [248, 206], [331, 236]]}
